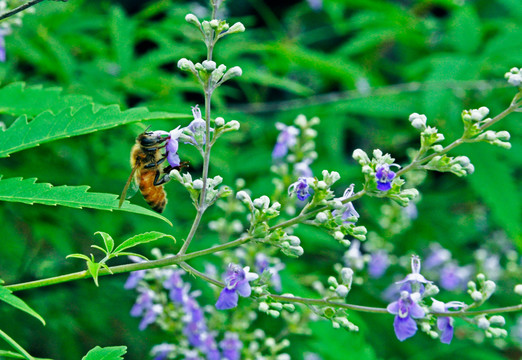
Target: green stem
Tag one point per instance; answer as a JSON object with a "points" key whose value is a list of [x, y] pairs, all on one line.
{"points": [[19, 9], [173, 260], [15, 345]]}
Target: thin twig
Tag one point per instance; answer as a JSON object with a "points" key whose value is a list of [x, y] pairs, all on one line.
{"points": [[18, 9]]}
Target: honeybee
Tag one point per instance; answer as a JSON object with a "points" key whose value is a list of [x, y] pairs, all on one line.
{"points": [[147, 169]]}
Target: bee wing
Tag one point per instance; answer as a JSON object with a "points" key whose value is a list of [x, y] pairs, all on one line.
{"points": [[127, 184]]}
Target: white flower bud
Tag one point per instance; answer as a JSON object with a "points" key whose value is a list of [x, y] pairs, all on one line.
{"points": [[197, 184], [342, 291], [209, 65], [273, 313], [283, 356], [186, 65], [321, 217], [270, 342], [418, 121], [489, 287], [476, 296], [311, 133], [338, 235], [263, 307], [321, 185], [192, 19], [360, 156], [232, 72], [437, 148], [497, 320], [237, 27], [483, 323], [214, 23], [346, 276], [518, 289], [233, 125], [219, 121]]}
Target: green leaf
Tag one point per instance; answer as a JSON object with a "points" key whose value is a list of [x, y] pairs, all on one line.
{"points": [[107, 239], [94, 269], [106, 353], [141, 239], [496, 183], [71, 122], [8, 297], [18, 99], [15, 345], [29, 192], [79, 256]]}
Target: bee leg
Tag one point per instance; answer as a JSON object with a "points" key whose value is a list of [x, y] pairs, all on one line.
{"points": [[160, 181]]}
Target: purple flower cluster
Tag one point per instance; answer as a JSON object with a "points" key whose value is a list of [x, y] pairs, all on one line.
{"points": [[237, 282], [451, 276], [201, 340]]}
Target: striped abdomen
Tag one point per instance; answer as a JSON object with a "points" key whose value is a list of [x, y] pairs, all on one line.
{"points": [[155, 196]]}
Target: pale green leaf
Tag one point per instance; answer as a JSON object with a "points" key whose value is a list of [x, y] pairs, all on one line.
{"points": [[8, 297], [78, 256], [141, 239], [70, 122], [29, 192], [94, 269], [107, 240], [106, 353]]}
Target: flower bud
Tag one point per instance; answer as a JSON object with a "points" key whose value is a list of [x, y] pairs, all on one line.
{"points": [[347, 276], [321, 185], [263, 307], [273, 313], [361, 157], [342, 291], [418, 121], [214, 23], [338, 235], [197, 184], [237, 27], [232, 125], [186, 65], [289, 307], [476, 296], [518, 289], [321, 217], [209, 65], [219, 121], [300, 121], [497, 320], [192, 19], [483, 323], [231, 73]]}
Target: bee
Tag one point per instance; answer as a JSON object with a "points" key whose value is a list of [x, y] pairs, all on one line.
{"points": [[147, 169]]}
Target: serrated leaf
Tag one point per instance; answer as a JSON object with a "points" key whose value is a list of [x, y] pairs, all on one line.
{"points": [[23, 134], [13, 300], [18, 99], [106, 353], [141, 239], [107, 240], [29, 192]]}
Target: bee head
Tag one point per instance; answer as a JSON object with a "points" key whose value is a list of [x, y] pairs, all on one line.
{"points": [[150, 139]]}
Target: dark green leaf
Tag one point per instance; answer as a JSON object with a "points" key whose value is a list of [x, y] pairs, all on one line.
{"points": [[107, 240], [8, 297], [29, 192]]}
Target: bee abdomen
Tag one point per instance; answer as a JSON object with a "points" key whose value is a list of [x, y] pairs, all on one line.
{"points": [[155, 196]]}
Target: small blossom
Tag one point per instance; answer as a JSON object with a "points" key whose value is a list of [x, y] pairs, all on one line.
{"points": [[172, 147], [237, 281], [231, 346], [300, 188], [378, 264], [445, 323], [302, 168], [384, 177], [437, 256], [286, 139], [414, 276], [514, 76], [162, 351], [349, 210], [454, 277], [405, 310]]}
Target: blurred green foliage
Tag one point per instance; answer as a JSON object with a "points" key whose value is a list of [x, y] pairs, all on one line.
{"points": [[361, 66]]}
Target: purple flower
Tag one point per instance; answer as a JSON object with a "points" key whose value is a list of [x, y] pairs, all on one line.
{"points": [[197, 128], [454, 277], [286, 139], [414, 277], [438, 256], [134, 278], [378, 264], [405, 310], [349, 211], [300, 188], [237, 281], [151, 314], [445, 323], [172, 147], [162, 351], [384, 176], [231, 346]]}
